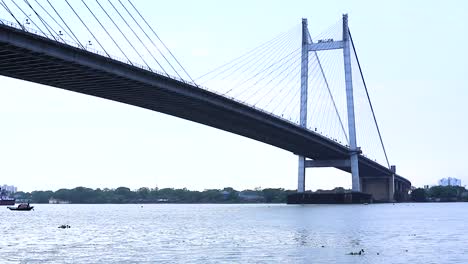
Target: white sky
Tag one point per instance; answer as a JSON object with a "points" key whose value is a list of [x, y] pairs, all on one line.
{"points": [[414, 63]]}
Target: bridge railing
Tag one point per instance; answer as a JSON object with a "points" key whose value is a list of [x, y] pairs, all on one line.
{"points": [[113, 57], [89, 49]]}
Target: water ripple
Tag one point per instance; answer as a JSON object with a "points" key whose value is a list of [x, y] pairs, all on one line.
{"points": [[164, 233]]}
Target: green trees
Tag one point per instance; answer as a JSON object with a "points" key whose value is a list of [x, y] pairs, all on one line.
{"points": [[225, 195], [446, 193], [144, 193], [443, 192], [440, 194], [418, 195], [41, 196], [274, 195], [147, 195]]}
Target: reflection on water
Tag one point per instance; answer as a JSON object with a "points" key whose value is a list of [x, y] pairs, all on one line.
{"points": [[400, 233]]}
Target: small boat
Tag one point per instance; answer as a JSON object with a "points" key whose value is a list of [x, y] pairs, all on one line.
{"points": [[5, 199], [21, 207]]}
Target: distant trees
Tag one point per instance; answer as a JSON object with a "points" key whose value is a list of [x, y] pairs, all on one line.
{"points": [[147, 195], [143, 193], [445, 192], [40, 196], [226, 195], [274, 195], [448, 193], [418, 195], [440, 193]]}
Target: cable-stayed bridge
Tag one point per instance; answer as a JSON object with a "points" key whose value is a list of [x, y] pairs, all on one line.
{"points": [[300, 93]]}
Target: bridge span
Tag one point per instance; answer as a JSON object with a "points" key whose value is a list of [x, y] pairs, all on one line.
{"points": [[30, 57]]}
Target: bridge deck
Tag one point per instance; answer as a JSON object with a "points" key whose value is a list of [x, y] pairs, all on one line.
{"points": [[37, 59]]}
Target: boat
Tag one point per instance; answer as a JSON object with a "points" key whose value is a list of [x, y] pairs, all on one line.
{"points": [[5, 199], [21, 207]]}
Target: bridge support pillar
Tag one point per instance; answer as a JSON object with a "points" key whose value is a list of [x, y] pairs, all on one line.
{"points": [[303, 106], [391, 184], [379, 187], [354, 151], [401, 191], [301, 175]]}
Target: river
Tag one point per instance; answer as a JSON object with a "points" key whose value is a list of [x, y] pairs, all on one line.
{"points": [[237, 233]]}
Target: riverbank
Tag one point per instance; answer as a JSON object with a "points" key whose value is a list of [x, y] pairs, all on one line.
{"points": [[144, 195], [228, 195]]}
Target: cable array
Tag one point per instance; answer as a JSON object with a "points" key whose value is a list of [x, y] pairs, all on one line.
{"points": [[267, 77], [327, 104], [104, 27]]}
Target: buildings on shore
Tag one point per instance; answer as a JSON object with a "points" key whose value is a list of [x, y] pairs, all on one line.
{"points": [[52, 200], [450, 182], [10, 189]]}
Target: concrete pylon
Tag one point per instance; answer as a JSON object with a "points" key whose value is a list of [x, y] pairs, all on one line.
{"points": [[354, 150], [303, 107]]}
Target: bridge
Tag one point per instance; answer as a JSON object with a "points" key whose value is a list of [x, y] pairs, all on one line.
{"points": [[35, 48]]}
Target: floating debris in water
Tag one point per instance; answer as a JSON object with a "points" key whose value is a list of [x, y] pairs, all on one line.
{"points": [[64, 226], [360, 252]]}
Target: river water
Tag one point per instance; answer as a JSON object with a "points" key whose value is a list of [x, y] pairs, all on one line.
{"points": [[256, 233]]}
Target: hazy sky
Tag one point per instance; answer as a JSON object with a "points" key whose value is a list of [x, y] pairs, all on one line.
{"points": [[411, 52]]}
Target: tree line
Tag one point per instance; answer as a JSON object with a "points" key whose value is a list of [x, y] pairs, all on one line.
{"points": [[440, 194], [122, 195]]}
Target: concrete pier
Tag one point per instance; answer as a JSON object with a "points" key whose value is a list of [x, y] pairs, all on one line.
{"points": [[329, 198], [379, 188]]}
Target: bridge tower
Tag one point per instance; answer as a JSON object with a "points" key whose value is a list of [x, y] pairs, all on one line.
{"points": [[354, 150], [304, 87]]}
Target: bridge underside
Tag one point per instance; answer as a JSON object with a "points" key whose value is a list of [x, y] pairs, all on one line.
{"points": [[36, 59]]}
